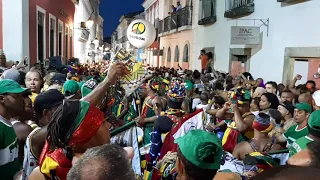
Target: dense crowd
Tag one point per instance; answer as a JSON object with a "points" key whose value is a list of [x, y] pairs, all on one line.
{"points": [[59, 124]]}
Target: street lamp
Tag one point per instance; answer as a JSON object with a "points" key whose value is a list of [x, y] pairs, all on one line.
{"points": [[89, 23]]}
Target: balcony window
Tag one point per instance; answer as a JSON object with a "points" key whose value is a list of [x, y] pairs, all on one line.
{"points": [[176, 54], [238, 8], [207, 13], [169, 55]]}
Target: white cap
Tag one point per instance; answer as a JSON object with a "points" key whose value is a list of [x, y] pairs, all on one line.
{"points": [[316, 97]]}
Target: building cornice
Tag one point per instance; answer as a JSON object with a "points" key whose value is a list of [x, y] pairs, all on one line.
{"points": [[148, 3]]}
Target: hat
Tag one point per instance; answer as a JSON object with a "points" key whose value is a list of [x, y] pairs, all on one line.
{"points": [[240, 96], [197, 145], [262, 122], [81, 83], [188, 85], [11, 74], [88, 87], [304, 106], [47, 99], [60, 78], [11, 87], [70, 88], [289, 106], [314, 121], [177, 91], [316, 97], [275, 115]]}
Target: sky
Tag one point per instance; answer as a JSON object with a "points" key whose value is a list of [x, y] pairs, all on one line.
{"points": [[112, 10]]}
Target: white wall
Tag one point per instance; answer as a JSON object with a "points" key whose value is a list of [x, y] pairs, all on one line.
{"points": [[301, 67], [290, 26], [13, 30]]}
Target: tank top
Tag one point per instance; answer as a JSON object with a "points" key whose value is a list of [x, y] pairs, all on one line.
{"points": [[30, 162]]}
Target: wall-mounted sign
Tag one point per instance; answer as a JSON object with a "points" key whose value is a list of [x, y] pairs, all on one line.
{"points": [[84, 35], [64, 14], [245, 35]]}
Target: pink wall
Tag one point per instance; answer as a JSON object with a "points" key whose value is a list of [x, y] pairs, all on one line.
{"points": [[52, 7], [313, 68]]}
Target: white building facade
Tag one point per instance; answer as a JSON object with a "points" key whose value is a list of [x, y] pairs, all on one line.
{"points": [[151, 55], [85, 41], [289, 37]]}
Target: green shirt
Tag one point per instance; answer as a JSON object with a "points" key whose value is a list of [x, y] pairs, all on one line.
{"points": [[292, 134], [9, 162], [299, 145]]}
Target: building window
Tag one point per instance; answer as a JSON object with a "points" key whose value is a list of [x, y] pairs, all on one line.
{"points": [[52, 39], [66, 38], [208, 9], [186, 53], [41, 34], [169, 55], [60, 39], [176, 54]]}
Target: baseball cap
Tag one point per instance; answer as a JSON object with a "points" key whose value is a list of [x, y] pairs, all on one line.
{"points": [[60, 78], [197, 145], [11, 87], [289, 106], [88, 86], [314, 121], [70, 87], [47, 99], [304, 106], [316, 97], [11, 74], [275, 115]]}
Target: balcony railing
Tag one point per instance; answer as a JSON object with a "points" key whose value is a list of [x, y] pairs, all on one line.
{"points": [[238, 8], [176, 20]]}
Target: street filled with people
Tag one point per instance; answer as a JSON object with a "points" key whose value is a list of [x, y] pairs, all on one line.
{"points": [[123, 120]]}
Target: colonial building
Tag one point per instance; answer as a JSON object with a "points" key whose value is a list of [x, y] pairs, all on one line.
{"points": [[87, 30], [273, 39], [151, 55], [37, 29], [176, 32], [40, 29], [119, 36]]}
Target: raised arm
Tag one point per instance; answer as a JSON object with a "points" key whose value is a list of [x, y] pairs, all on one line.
{"points": [[116, 70]]}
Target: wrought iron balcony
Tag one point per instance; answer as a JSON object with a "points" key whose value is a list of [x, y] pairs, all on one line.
{"points": [[176, 20], [238, 8]]}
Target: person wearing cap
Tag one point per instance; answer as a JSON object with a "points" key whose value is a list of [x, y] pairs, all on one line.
{"points": [[302, 112], [286, 109], [71, 89], [45, 105], [77, 126], [314, 134], [11, 74], [262, 125], [57, 81], [11, 104], [199, 155]]}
